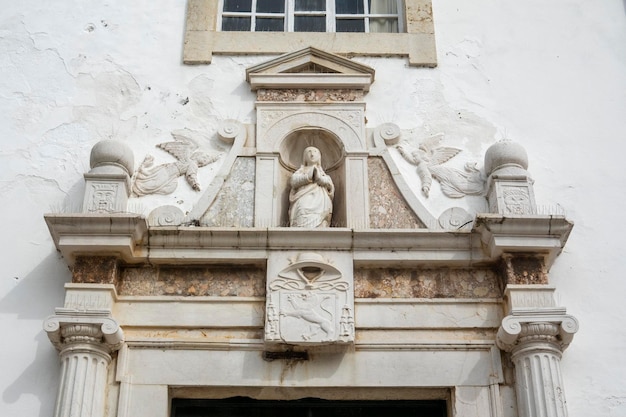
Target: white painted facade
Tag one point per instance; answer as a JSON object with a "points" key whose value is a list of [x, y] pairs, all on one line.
{"points": [[550, 76]]}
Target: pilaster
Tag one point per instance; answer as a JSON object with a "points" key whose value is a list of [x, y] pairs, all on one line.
{"points": [[85, 340]]}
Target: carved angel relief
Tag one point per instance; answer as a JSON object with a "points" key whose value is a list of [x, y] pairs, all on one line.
{"points": [[163, 179], [428, 156], [309, 303]]}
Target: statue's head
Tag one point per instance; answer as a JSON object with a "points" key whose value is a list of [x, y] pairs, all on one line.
{"points": [[311, 156]]}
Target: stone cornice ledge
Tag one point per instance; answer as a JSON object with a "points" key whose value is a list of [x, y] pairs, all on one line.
{"points": [[128, 237], [542, 234], [122, 235]]}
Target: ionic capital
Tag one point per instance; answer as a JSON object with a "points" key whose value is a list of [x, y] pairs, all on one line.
{"points": [[70, 327], [517, 331]]}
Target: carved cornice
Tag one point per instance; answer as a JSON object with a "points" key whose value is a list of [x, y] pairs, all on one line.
{"points": [[120, 235], [96, 328], [128, 237], [540, 234]]}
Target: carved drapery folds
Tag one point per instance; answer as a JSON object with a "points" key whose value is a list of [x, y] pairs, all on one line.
{"points": [[85, 340]]}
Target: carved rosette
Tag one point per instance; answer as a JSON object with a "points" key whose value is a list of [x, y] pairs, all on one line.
{"points": [[310, 302], [85, 341]]}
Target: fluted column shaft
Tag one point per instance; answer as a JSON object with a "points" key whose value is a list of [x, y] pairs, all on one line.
{"points": [[85, 344], [537, 359]]}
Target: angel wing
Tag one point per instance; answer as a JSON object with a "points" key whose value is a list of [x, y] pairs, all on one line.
{"points": [[185, 143], [440, 155]]}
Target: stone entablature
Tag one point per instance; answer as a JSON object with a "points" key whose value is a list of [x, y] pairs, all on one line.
{"points": [[374, 290]]}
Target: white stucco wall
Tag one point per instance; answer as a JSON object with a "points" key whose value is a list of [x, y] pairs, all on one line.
{"points": [[549, 75]]}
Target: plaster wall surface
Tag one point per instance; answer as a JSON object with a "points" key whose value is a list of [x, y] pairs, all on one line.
{"points": [[551, 76]]}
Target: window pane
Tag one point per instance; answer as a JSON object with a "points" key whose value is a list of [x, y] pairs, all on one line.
{"points": [[237, 5], [384, 25], [239, 24], [350, 25], [270, 6], [383, 7], [269, 25], [309, 24], [349, 6], [310, 5]]}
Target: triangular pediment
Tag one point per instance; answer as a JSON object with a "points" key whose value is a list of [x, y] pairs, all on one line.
{"points": [[310, 68]]}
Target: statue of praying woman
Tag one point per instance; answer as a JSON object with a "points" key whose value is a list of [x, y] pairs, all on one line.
{"points": [[312, 191]]}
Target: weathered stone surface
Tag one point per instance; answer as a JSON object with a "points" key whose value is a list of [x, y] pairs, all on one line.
{"points": [[242, 281], [313, 95], [95, 270], [234, 204], [425, 283], [388, 209], [524, 269]]}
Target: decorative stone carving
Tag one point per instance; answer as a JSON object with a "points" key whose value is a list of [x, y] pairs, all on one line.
{"points": [[85, 341], [163, 179], [536, 332], [456, 218], [107, 184], [312, 192], [428, 155], [309, 302], [510, 186], [389, 133], [166, 216], [309, 95], [536, 343]]}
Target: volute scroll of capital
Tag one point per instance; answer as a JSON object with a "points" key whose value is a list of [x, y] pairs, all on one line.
{"points": [[516, 329], [106, 329], [309, 302]]}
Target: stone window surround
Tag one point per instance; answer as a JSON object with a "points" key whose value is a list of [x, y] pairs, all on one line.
{"points": [[202, 39]]}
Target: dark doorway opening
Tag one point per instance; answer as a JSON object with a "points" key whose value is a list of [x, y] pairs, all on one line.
{"points": [[307, 407]]}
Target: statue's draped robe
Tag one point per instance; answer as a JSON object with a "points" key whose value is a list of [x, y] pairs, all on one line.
{"points": [[310, 204]]}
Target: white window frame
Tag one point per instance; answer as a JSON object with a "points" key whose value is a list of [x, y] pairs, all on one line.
{"points": [[416, 37], [290, 13]]}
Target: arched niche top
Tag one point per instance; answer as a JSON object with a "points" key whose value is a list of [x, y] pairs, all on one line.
{"points": [[346, 126], [293, 145]]}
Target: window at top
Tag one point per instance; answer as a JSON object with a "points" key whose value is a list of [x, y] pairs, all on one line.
{"points": [[374, 16]]}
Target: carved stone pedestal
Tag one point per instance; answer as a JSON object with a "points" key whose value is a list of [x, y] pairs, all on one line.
{"points": [[85, 341]]}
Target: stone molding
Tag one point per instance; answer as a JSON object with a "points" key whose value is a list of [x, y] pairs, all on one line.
{"points": [[531, 234]]}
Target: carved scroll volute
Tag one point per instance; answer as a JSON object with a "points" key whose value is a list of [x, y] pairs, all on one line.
{"points": [[310, 299]]}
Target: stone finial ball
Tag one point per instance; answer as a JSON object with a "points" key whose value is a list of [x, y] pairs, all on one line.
{"points": [[112, 152], [505, 153]]}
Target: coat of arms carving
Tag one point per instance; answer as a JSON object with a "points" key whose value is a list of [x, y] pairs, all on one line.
{"points": [[309, 302]]}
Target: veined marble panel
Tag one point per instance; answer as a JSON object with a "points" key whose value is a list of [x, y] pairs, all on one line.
{"points": [[224, 281], [388, 210], [426, 283]]}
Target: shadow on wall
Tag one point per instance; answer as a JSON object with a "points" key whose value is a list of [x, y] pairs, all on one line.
{"points": [[31, 301]]}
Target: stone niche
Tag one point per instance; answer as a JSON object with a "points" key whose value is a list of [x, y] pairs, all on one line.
{"points": [[311, 98]]}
